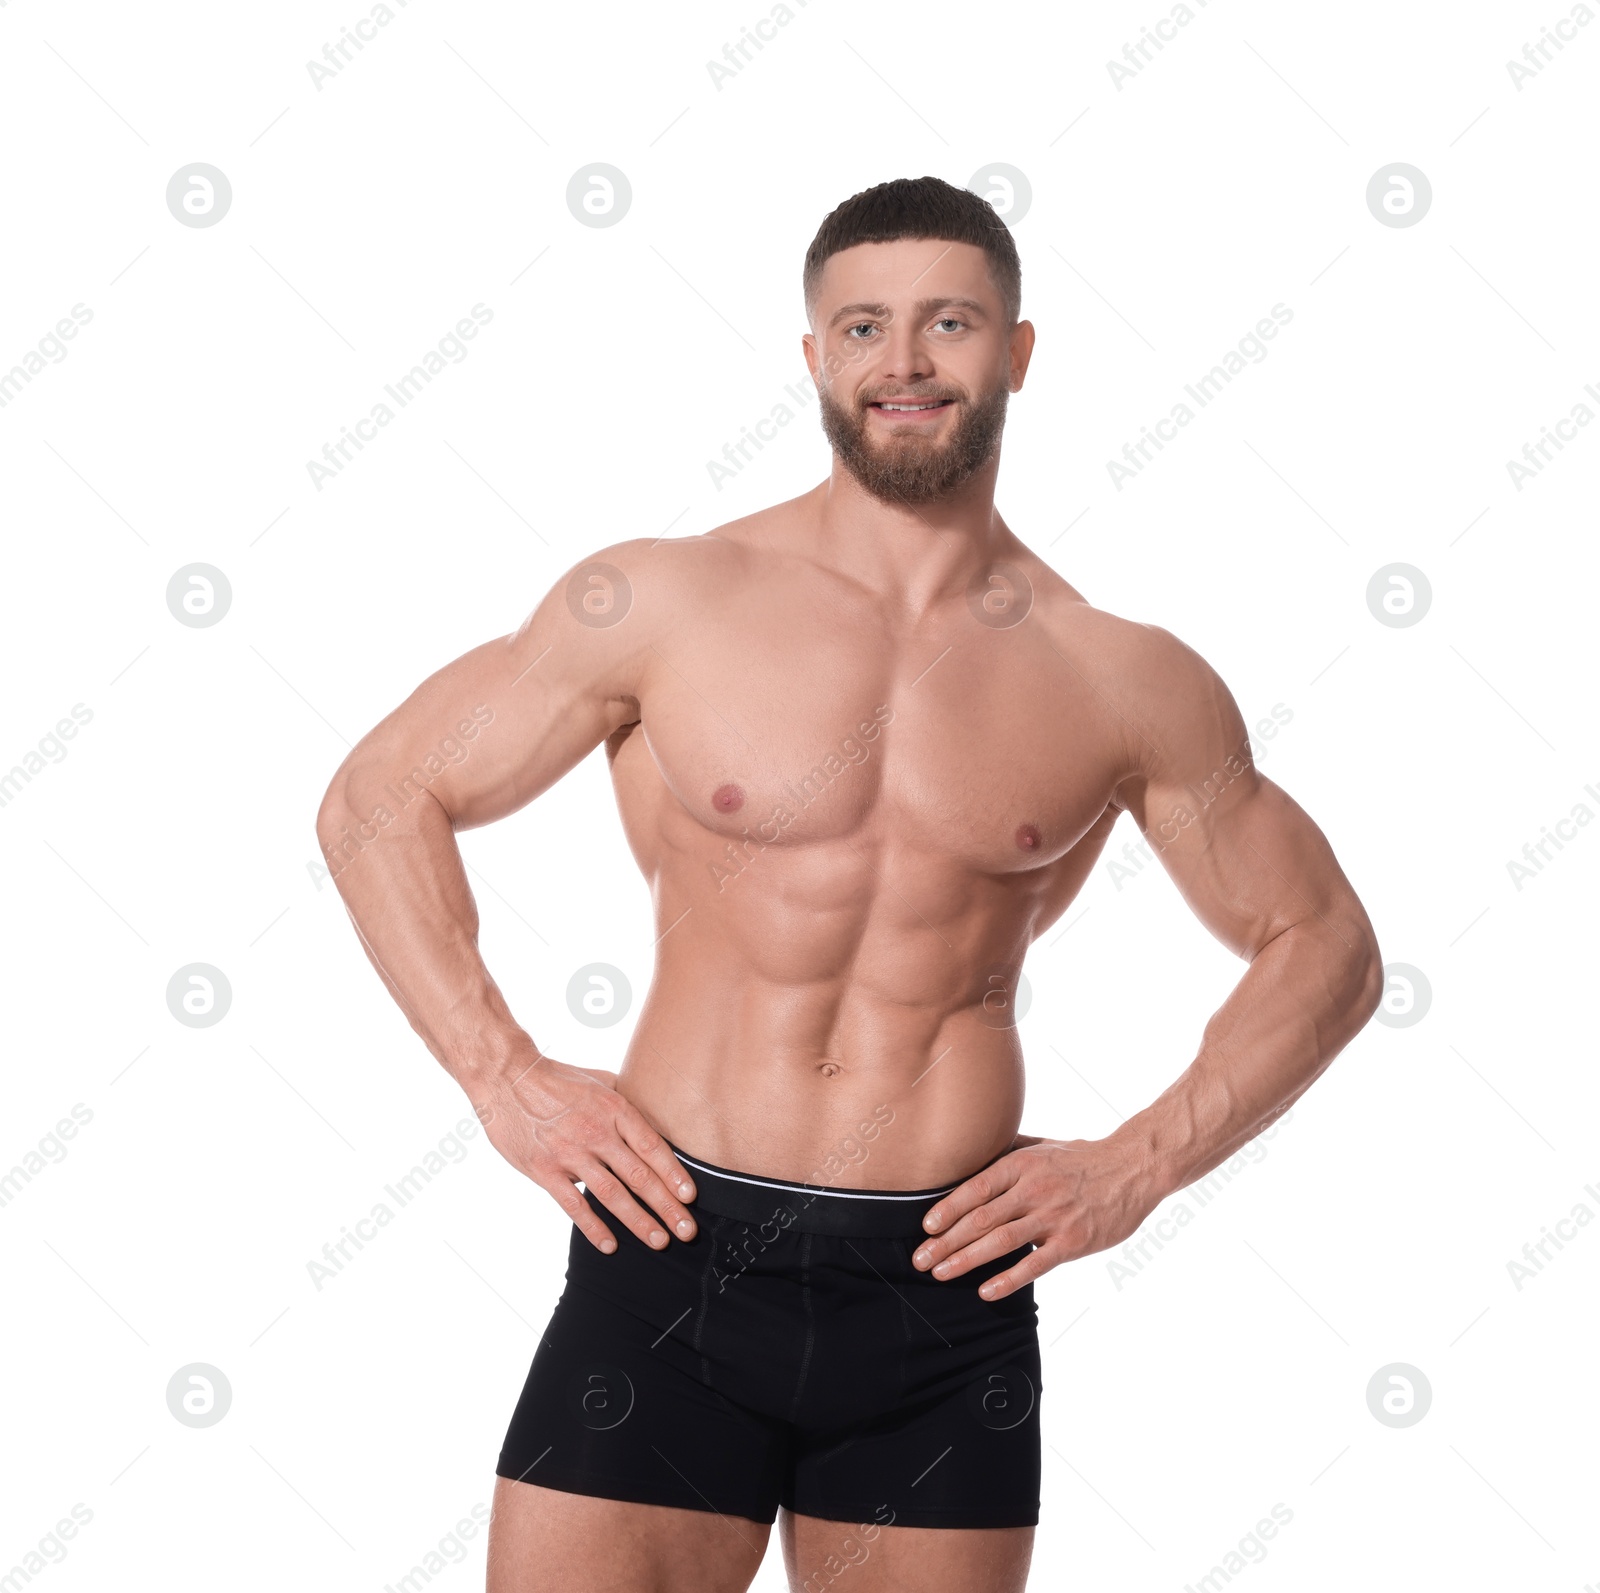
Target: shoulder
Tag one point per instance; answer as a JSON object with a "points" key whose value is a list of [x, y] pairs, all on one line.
{"points": [[1128, 656], [659, 582], [1166, 704], [1141, 663], [646, 580]]}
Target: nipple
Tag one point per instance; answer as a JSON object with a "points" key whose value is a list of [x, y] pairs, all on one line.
{"points": [[727, 799], [1028, 837]]}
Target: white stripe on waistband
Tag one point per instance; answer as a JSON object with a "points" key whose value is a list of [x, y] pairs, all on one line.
{"points": [[812, 1189]]}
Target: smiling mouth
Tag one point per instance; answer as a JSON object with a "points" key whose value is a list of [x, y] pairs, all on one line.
{"points": [[920, 407]]}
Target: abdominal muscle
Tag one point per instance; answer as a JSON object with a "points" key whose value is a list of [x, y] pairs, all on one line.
{"points": [[843, 1043], [896, 1116]]}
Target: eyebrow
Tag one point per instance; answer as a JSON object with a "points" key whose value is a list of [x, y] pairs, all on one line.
{"points": [[921, 308]]}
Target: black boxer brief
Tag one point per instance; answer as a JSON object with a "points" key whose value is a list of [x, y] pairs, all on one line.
{"points": [[788, 1354]]}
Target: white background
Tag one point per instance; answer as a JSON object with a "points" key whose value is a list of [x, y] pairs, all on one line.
{"points": [[1167, 217]]}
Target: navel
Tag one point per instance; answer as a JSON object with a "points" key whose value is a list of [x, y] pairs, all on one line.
{"points": [[1028, 837], [727, 799]]}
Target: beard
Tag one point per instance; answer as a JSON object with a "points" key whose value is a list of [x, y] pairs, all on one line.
{"points": [[905, 467]]}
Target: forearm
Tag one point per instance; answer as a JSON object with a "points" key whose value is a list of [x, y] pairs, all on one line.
{"points": [[1302, 999], [406, 890]]}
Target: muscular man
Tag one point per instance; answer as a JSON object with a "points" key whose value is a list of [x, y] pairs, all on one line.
{"points": [[866, 746]]}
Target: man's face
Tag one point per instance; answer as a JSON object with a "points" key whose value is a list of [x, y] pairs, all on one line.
{"points": [[914, 364]]}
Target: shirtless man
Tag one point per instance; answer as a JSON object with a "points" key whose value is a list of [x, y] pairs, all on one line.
{"points": [[866, 747]]}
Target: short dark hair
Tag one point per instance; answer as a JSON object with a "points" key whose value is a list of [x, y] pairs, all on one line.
{"points": [[919, 207]]}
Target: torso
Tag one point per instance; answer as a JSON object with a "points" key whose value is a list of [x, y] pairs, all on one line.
{"points": [[853, 826]]}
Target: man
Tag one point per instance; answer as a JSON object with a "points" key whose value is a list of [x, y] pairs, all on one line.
{"points": [[866, 746]]}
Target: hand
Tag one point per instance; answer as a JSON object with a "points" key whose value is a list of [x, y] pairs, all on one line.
{"points": [[1069, 1198], [559, 1124]]}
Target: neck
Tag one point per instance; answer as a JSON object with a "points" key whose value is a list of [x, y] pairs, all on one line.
{"points": [[914, 554]]}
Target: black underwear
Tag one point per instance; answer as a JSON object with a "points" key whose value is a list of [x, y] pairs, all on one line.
{"points": [[788, 1354]]}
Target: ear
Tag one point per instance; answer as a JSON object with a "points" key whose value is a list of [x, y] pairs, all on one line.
{"points": [[1021, 353]]}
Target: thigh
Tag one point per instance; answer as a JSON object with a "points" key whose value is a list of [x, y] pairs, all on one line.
{"points": [[543, 1539], [890, 1559]]}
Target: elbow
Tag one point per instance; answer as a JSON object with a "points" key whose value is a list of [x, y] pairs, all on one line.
{"points": [[1367, 979], [333, 810], [351, 816], [338, 813], [364, 799], [333, 824]]}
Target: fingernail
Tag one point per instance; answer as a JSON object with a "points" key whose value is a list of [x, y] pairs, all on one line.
{"points": [[657, 1237], [608, 1245], [931, 1224], [686, 1190], [686, 1227], [921, 1258], [942, 1270]]}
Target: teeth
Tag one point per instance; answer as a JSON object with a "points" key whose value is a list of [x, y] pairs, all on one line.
{"points": [[933, 405]]}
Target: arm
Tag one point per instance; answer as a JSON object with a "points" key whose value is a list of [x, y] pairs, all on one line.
{"points": [[473, 743], [1261, 877]]}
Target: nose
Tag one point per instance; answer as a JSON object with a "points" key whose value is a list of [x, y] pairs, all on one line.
{"points": [[907, 357]]}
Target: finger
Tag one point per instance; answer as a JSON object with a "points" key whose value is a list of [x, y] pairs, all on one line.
{"points": [[565, 1194], [977, 1191], [1006, 1208], [1000, 1241], [646, 1185], [601, 1182], [1033, 1265], [650, 1144]]}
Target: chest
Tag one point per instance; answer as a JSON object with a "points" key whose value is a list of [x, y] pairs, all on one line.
{"points": [[988, 750]]}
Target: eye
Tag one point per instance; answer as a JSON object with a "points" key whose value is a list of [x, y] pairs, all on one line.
{"points": [[949, 320], [850, 331]]}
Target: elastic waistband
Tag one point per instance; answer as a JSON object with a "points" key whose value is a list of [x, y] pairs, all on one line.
{"points": [[810, 1208]]}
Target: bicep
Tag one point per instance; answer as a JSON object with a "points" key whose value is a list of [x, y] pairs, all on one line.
{"points": [[491, 730], [1247, 859]]}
